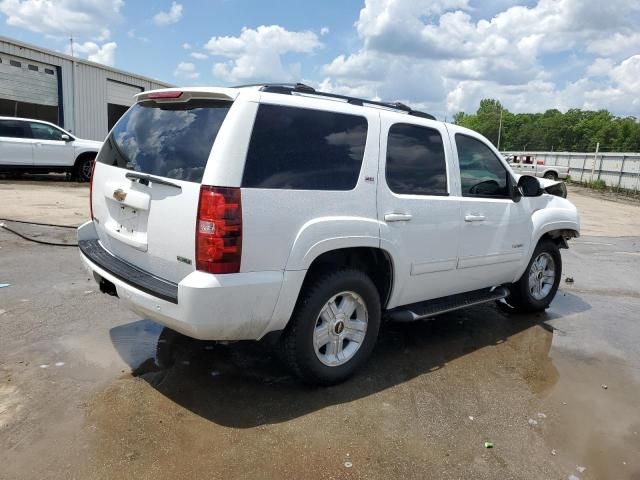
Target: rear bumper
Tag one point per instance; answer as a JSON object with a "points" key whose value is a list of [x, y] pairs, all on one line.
{"points": [[208, 307]]}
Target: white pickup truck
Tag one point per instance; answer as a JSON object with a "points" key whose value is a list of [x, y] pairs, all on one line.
{"points": [[280, 212], [530, 165]]}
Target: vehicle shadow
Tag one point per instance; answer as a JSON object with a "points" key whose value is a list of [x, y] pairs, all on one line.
{"points": [[243, 384]]}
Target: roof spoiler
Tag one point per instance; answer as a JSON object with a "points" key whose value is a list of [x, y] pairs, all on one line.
{"points": [[175, 95]]}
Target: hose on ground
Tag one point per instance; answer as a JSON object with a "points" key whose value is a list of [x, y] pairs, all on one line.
{"points": [[35, 240], [37, 223]]}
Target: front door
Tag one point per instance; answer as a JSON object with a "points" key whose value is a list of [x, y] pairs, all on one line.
{"points": [[418, 216], [496, 231], [48, 146]]}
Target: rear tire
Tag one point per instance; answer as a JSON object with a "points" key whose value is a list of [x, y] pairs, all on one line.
{"points": [[551, 176], [333, 328], [83, 168], [537, 287]]}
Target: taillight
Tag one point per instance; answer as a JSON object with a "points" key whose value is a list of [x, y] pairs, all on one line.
{"points": [[219, 230], [93, 167]]}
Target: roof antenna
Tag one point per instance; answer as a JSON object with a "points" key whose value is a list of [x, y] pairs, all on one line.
{"points": [[71, 45]]}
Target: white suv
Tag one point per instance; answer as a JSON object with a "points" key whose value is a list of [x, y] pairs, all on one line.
{"points": [[279, 212], [34, 146]]}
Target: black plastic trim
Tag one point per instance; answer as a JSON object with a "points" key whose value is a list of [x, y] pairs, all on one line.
{"points": [[129, 274], [288, 89]]}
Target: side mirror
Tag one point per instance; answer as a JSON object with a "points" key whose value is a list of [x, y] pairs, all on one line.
{"points": [[529, 186], [65, 137]]}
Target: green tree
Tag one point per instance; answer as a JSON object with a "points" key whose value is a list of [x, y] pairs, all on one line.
{"points": [[574, 130]]}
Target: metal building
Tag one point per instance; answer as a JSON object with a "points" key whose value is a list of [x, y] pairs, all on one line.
{"points": [[83, 97]]}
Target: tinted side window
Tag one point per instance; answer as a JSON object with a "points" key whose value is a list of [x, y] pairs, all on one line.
{"points": [[416, 163], [41, 131], [14, 129], [296, 148], [481, 172]]}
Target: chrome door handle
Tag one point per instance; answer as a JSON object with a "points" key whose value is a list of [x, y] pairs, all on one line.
{"points": [[474, 218], [397, 217]]}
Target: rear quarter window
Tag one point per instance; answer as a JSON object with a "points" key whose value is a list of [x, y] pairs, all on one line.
{"points": [[304, 149]]}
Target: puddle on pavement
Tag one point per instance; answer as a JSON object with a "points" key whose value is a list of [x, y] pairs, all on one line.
{"points": [[233, 409]]}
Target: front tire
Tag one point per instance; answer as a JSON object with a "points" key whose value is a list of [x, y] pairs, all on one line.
{"points": [[537, 287], [333, 329]]}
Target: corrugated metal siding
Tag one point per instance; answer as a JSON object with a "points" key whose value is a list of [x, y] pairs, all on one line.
{"points": [[85, 107]]}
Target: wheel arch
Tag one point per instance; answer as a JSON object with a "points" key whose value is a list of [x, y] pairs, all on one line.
{"points": [[83, 156], [374, 261]]}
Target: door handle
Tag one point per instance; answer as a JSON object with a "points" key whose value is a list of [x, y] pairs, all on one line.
{"points": [[397, 217], [474, 218]]}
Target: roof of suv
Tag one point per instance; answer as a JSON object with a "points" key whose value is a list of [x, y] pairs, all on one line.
{"points": [[230, 93]]}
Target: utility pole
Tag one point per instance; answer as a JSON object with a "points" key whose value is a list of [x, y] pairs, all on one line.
{"points": [[71, 45], [595, 159], [499, 129]]}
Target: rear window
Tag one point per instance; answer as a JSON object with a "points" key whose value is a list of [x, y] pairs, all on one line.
{"points": [[170, 140], [302, 149]]}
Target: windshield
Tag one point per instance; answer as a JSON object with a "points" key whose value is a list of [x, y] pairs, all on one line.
{"points": [[169, 140]]}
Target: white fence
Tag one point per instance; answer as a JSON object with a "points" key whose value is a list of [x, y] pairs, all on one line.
{"points": [[618, 170]]}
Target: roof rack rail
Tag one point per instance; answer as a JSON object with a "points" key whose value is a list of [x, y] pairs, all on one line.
{"points": [[290, 88]]}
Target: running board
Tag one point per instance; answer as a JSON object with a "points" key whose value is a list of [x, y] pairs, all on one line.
{"points": [[438, 306]]}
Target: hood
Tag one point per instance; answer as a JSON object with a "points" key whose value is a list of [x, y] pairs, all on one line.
{"points": [[90, 144]]}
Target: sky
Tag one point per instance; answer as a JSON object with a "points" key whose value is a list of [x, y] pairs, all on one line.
{"points": [[441, 56]]}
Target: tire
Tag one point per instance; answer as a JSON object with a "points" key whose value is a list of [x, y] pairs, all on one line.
{"points": [[524, 295], [551, 176], [83, 168], [301, 346]]}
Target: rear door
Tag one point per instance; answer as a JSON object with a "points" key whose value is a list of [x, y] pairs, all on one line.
{"points": [[48, 146], [147, 180], [418, 215], [16, 144]]}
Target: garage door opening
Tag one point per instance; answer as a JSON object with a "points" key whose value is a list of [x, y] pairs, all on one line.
{"points": [[120, 97], [13, 108]]}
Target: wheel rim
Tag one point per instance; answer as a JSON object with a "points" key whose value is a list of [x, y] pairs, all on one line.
{"points": [[340, 329], [86, 169], [542, 276]]}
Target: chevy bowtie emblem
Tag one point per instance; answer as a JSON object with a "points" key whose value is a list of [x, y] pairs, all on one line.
{"points": [[120, 195]]}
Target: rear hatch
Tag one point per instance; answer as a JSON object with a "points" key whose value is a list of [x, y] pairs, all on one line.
{"points": [[147, 178]]}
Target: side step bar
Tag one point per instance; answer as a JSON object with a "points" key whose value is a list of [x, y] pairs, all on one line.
{"points": [[438, 306]]}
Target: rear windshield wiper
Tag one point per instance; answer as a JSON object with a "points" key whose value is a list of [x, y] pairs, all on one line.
{"points": [[145, 178]]}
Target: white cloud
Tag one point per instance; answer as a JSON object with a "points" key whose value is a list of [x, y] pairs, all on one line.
{"points": [[186, 71], [256, 54], [105, 54], [132, 34], [601, 66], [433, 53], [324, 31], [198, 55], [61, 18], [162, 19], [186, 46]]}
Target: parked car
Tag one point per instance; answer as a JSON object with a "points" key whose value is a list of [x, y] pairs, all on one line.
{"points": [[302, 218], [529, 165], [35, 146]]}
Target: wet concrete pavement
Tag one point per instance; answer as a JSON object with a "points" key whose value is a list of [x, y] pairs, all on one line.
{"points": [[82, 395]]}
